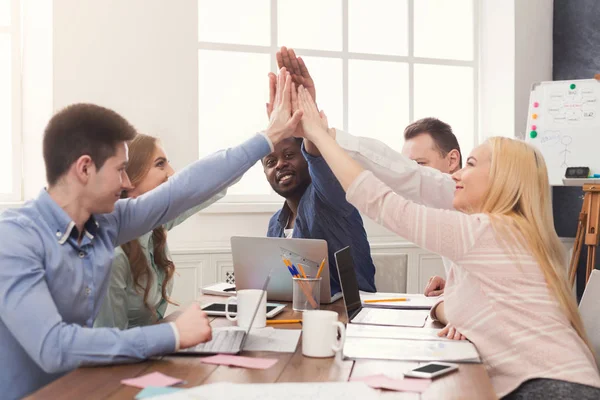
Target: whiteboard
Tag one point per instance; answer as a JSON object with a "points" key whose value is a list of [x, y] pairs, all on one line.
{"points": [[564, 123]]}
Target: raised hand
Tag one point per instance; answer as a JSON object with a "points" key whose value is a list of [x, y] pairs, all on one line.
{"points": [[272, 92], [296, 67], [314, 123], [283, 123]]}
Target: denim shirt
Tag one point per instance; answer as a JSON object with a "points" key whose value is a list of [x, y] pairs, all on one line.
{"points": [[52, 286], [324, 213]]}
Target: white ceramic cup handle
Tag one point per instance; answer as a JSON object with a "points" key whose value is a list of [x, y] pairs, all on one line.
{"points": [[340, 345], [229, 317]]}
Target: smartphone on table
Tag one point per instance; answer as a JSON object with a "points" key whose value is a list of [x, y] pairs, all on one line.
{"points": [[431, 370]]}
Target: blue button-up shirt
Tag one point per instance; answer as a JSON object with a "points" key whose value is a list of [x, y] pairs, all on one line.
{"points": [[51, 286], [324, 213]]}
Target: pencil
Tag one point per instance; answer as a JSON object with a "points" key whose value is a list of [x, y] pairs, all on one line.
{"points": [[320, 268], [284, 321], [385, 300], [301, 270]]}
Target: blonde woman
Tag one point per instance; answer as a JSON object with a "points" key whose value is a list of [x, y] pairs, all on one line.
{"points": [[141, 278], [506, 289]]}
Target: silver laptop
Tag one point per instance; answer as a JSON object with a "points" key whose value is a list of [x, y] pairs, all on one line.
{"points": [[253, 257], [228, 341], [358, 313]]}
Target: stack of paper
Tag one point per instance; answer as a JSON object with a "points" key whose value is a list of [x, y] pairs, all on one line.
{"points": [[410, 350], [388, 317], [393, 332]]}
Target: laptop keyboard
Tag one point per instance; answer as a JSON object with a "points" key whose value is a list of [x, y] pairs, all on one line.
{"points": [[225, 341]]}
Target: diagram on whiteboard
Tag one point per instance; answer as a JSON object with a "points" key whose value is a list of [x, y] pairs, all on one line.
{"points": [[563, 123], [566, 141]]}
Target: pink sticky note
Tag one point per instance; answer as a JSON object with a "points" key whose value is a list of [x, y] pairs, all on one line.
{"points": [[152, 379], [399, 385], [239, 361]]}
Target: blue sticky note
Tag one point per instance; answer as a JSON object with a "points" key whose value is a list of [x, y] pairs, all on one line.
{"points": [[151, 391]]}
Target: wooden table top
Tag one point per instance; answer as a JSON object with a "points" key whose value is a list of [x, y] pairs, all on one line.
{"points": [[470, 382]]}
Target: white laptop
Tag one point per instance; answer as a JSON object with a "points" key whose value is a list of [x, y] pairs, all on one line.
{"points": [[254, 257], [359, 314]]}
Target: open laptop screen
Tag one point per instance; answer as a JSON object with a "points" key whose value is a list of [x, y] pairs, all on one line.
{"points": [[348, 282], [264, 291]]}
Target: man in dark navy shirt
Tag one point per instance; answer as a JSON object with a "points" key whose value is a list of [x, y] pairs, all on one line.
{"points": [[316, 208]]}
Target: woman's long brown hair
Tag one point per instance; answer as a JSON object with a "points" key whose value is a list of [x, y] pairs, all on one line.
{"points": [[141, 150]]}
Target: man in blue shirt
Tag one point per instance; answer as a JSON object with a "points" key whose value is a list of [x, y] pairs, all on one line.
{"points": [[315, 206], [56, 250]]}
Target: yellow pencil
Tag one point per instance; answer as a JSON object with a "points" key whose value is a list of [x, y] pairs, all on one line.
{"points": [[385, 300], [301, 270], [320, 268], [283, 321]]}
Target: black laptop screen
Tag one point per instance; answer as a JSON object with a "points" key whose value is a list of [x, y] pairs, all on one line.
{"points": [[345, 265]]}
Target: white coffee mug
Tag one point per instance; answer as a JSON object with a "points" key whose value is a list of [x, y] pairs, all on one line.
{"points": [[320, 332], [246, 304]]}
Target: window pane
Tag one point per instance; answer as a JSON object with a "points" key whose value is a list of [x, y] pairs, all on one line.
{"points": [[310, 24], [378, 26], [446, 92], [231, 104], [4, 12], [5, 115], [444, 29], [327, 74], [235, 21], [378, 100]]}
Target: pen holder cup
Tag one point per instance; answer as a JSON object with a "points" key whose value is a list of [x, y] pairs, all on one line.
{"points": [[307, 294]]}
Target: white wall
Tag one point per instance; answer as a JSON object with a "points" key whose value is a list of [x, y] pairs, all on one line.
{"points": [[138, 57], [515, 52], [37, 90], [533, 22], [497, 73]]}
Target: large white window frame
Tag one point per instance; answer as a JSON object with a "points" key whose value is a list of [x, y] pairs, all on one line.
{"points": [[14, 30], [345, 55]]}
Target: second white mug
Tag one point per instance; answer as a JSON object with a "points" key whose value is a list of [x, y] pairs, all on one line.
{"points": [[320, 333], [247, 300]]}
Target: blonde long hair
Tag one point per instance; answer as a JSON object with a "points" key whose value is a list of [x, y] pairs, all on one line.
{"points": [[519, 200]]}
